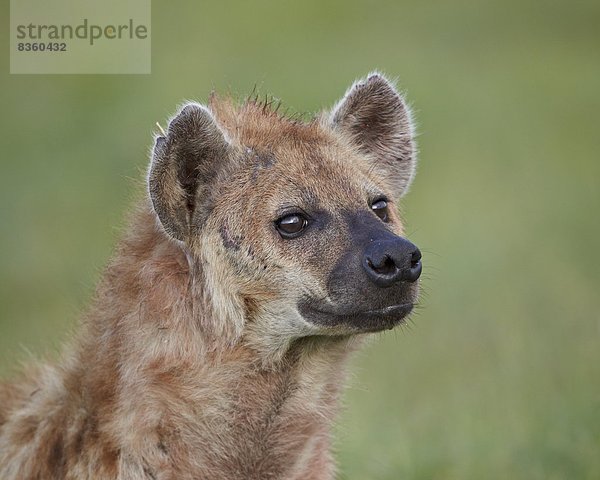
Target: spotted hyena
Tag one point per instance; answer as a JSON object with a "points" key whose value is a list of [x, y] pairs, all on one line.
{"points": [[265, 249]]}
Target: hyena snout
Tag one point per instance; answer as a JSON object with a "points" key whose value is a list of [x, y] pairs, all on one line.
{"points": [[390, 261]]}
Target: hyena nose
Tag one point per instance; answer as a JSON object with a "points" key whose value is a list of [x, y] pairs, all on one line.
{"points": [[392, 261]]}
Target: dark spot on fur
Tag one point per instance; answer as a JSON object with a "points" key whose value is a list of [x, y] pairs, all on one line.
{"points": [[231, 242], [78, 444], [261, 161], [162, 447], [88, 430], [57, 461], [110, 458], [251, 307], [267, 160], [149, 473]]}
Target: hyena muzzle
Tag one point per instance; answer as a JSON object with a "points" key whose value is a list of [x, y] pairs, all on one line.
{"points": [[214, 347]]}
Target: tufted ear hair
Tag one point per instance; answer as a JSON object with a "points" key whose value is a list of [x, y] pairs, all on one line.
{"points": [[375, 117], [185, 162]]}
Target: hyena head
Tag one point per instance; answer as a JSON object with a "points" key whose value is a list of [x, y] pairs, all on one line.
{"points": [[293, 226]]}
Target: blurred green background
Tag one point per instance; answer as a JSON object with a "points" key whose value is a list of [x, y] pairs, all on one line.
{"points": [[498, 376]]}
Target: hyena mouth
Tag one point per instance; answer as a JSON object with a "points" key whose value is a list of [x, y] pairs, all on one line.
{"points": [[360, 321]]}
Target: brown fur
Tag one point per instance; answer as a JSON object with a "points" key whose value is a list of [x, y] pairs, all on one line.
{"points": [[193, 362]]}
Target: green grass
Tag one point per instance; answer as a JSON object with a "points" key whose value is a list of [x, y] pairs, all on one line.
{"points": [[498, 376]]}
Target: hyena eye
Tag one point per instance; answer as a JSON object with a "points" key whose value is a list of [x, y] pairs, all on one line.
{"points": [[291, 226], [380, 209]]}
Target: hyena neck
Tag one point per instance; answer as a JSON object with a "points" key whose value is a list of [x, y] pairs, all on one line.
{"points": [[151, 373]]}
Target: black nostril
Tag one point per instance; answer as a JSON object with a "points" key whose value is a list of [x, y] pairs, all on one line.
{"points": [[385, 266], [413, 273], [381, 268], [415, 258]]}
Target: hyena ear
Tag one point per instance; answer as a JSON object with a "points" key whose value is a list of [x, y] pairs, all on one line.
{"points": [[378, 121], [184, 164]]}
